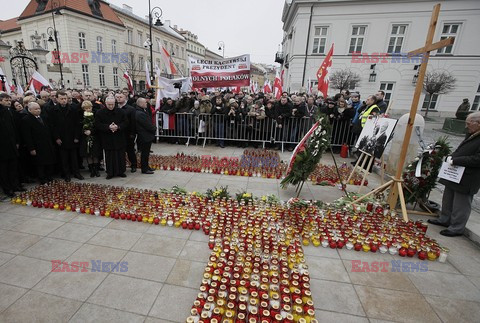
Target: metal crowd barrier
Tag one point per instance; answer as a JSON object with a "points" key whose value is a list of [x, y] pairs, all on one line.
{"points": [[246, 129]]}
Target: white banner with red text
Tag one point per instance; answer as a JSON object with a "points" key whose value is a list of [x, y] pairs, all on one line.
{"points": [[218, 73]]}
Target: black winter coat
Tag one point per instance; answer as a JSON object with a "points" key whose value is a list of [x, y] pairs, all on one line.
{"points": [[8, 135], [65, 125], [145, 128], [111, 140], [37, 136], [468, 155], [130, 113]]}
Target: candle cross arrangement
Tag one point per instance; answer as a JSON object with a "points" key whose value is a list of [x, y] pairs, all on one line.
{"points": [[256, 270]]}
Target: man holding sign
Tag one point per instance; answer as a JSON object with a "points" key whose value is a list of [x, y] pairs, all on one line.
{"points": [[461, 182]]}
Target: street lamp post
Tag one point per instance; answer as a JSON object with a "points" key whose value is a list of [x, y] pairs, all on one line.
{"points": [[221, 46], [157, 12], [53, 32]]}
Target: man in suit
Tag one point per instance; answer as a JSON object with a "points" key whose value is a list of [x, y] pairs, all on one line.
{"points": [[36, 137], [130, 131], [381, 141], [112, 123], [66, 131], [9, 148], [145, 133], [457, 198]]}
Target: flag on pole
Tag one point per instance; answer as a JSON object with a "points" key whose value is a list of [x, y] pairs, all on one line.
{"points": [[301, 146], [266, 86], [323, 73], [167, 59], [277, 86], [129, 81], [31, 87], [20, 90], [5, 84], [252, 86], [147, 76], [38, 81]]}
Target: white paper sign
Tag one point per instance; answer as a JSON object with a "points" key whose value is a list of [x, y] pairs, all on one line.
{"points": [[451, 173]]}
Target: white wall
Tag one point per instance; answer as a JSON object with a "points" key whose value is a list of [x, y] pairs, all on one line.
{"points": [[464, 65]]}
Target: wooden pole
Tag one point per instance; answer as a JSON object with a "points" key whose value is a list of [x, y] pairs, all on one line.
{"points": [[394, 192]]}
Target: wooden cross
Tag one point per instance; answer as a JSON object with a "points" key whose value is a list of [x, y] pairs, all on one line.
{"points": [[395, 185]]}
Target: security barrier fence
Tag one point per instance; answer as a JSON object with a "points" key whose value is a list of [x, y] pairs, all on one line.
{"points": [[244, 129]]}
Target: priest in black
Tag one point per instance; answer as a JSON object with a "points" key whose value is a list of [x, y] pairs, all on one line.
{"points": [[111, 123]]}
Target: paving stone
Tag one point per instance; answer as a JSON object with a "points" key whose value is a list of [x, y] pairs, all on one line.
{"points": [[89, 253], [187, 273], [9, 295], [16, 242], [159, 245], [151, 267], [91, 313], [24, 272], [75, 232], [398, 305], [126, 294], [453, 310], [39, 307], [51, 249], [115, 238], [174, 303], [327, 269]]}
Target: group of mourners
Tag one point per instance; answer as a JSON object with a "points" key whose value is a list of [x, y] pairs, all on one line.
{"points": [[61, 133]]}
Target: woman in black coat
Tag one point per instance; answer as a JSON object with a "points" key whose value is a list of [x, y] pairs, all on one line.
{"points": [[90, 148], [37, 139]]}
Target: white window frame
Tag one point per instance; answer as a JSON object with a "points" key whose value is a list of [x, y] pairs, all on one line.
{"points": [[141, 62], [434, 102], [114, 46], [356, 37], [101, 75], [82, 40], [115, 76], [447, 34], [322, 35], [85, 75], [388, 92], [395, 34], [130, 36], [140, 38], [99, 44]]}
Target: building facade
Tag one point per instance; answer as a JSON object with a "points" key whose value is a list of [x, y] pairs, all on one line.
{"points": [[382, 31], [194, 48], [97, 43]]}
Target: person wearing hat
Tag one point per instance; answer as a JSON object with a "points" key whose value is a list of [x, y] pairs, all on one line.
{"points": [[219, 112], [234, 119]]}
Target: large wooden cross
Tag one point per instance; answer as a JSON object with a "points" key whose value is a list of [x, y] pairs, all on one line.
{"points": [[395, 184]]}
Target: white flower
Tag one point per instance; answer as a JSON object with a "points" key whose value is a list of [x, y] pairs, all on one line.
{"points": [[87, 114]]}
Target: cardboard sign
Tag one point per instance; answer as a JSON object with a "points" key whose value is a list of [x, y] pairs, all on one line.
{"points": [[451, 173]]}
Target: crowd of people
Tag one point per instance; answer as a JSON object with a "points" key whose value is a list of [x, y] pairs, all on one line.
{"points": [[61, 133]]}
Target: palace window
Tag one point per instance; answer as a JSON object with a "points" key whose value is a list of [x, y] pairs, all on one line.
{"points": [[449, 30], [99, 44], [101, 75], [387, 87], [397, 38], [357, 40], [319, 40], [115, 76], [82, 40], [86, 77]]}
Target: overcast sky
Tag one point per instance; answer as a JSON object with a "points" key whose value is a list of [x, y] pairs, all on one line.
{"points": [[246, 26]]}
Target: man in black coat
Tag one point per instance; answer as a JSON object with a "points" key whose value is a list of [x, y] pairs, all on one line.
{"points": [[130, 131], [36, 137], [457, 198], [145, 133], [112, 123], [382, 105], [66, 131], [9, 148]]}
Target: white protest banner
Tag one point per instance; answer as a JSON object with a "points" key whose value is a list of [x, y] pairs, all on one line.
{"points": [[451, 173], [227, 72]]}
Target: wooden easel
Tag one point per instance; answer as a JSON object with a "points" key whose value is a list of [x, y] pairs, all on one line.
{"points": [[363, 165], [395, 184]]}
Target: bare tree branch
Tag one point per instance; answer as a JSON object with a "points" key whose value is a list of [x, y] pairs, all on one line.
{"points": [[437, 82], [344, 79]]}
